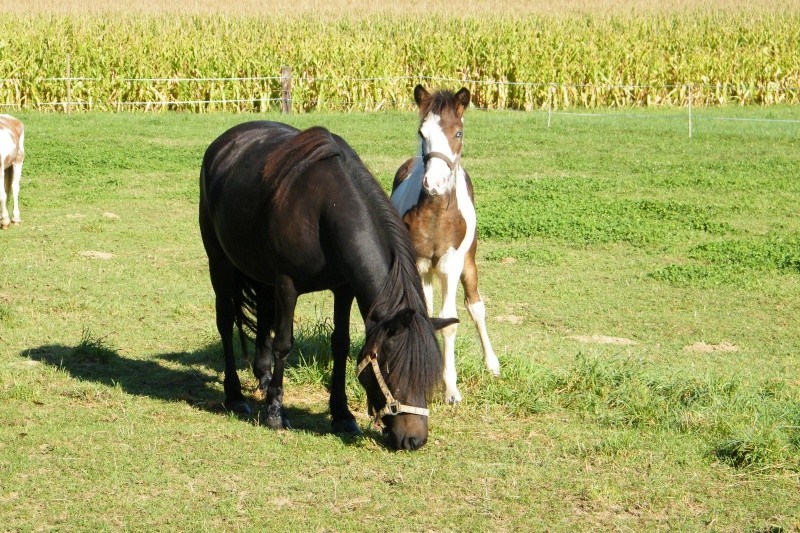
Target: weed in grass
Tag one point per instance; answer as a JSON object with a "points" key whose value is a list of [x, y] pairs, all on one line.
{"points": [[91, 351], [780, 252]]}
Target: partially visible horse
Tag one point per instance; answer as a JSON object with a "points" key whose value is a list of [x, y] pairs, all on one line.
{"points": [[12, 154], [285, 212], [434, 195]]}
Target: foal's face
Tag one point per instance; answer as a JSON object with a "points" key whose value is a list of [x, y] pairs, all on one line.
{"points": [[441, 135]]}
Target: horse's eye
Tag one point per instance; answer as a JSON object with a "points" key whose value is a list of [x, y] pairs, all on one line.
{"points": [[459, 134]]}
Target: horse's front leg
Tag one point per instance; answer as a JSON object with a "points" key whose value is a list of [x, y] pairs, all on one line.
{"points": [[285, 302], [449, 277], [342, 420]]}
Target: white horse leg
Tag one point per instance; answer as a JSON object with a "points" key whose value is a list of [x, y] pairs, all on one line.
{"points": [[17, 175], [427, 290], [449, 287], [4, 191], [477, 311]]}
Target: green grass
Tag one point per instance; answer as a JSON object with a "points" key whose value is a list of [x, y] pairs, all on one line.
{"points": [[595, 228]]}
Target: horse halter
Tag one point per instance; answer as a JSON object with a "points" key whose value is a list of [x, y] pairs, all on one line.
{"points": [[392, 407], [451, 164]]}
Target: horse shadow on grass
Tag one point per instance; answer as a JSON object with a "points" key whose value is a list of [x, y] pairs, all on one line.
{"points": [[193, 377]]}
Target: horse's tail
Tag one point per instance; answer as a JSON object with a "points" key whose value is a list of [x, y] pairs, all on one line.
{"points": [[245, 310]]}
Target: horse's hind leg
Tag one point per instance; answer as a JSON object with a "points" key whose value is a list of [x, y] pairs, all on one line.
{"points": [[342, 420], [5, 190], [265, 321], [285, 302], [16, 176], [223, 280], [477, 309]]}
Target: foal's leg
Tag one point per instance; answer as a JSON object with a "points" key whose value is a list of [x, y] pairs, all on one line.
{"points": [[342, 420], [449, 282], [477, 310], [17, 175], [427, 289], [285, 302], [5, 190]]}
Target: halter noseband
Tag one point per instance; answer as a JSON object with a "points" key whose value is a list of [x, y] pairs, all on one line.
{"points": [[392, 407], [439, 155]]}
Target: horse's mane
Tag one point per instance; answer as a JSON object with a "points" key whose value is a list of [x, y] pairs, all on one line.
{"points": [[416, 363], [294, 156]]}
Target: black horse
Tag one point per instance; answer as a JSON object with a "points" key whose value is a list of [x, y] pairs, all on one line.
{"points": [[285, 212]]}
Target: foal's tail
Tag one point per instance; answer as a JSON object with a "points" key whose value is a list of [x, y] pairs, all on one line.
{"points": [[245, 309]]}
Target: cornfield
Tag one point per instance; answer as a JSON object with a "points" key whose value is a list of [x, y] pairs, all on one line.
{"points": [[531, 62]]}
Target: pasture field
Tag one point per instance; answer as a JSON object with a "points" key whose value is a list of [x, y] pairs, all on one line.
{"points": [[643, 292], [633, 55]]}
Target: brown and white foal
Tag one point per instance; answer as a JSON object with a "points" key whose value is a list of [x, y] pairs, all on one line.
{"points": [[12, 153], [433, 194]]}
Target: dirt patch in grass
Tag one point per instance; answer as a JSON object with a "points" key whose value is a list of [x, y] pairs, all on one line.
{"points": [[702, 347], [513, 319], [92, 254], [602, 339]]}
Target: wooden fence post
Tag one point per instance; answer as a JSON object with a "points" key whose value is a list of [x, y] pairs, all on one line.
{"points": [[286, 90], [690, 110], [69, 81]]}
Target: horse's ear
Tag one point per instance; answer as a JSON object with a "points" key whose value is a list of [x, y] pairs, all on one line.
{"points": [[462, 101], [420, 95], [399, 321], [441, 323]]}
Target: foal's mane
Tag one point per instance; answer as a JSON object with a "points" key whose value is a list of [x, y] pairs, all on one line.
{"points": [[439, 101]]}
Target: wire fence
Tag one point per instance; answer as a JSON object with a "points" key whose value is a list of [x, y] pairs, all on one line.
{"points": [[289, 93]]}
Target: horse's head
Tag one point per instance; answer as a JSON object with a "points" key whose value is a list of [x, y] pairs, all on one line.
{"points": [[398, 367], [441, 133]]}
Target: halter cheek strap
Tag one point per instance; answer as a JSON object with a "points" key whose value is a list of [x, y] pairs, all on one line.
{"points": [[392, 407]]}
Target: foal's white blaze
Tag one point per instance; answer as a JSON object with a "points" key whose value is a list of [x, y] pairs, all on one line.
{"points": [[12, 152], [438, 177]]}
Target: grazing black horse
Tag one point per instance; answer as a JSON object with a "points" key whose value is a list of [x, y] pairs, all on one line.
{"points": [[284, 212]]}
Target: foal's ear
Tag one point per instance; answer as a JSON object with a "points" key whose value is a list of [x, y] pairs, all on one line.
{"points": [[420, 95], [399, 321], [440, 323], [462, 101]]}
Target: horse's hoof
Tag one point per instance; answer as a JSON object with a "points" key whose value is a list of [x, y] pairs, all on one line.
{"points": [[4, 225], [345, 426], [453, 399], [278, 422], [240, 407], [276, 419]]}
